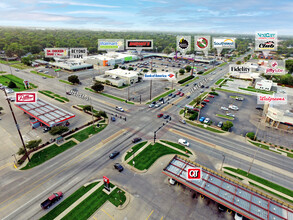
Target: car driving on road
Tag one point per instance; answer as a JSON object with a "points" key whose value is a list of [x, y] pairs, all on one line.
{"points": [[183, 142]]}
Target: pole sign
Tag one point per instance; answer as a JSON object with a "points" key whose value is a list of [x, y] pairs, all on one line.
{"points": [[183, 44], [239, 69], [223, 43], [25, 97], [194, 173], [139, 44], [26, 84], [202, 43], [110, 44], [159, 76], [106, 183], [266, 41], [273, 67], [78, 53], [56, 52]]}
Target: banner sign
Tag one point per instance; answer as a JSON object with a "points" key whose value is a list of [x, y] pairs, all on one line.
{"points": [[78, 53], [56, 52], [224, 43], [266, 41], [154, 76], [110, 44], [25, 97], [239, 69], [183, 43], [139, 44]]}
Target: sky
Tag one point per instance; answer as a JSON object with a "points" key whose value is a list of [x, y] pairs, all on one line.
{"points": [[193, 16]]}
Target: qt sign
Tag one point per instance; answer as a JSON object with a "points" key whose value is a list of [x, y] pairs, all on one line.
{"points": [[194, 173], [25, 97]]}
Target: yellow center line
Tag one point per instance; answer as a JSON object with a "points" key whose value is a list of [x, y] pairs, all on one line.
{"points": [[227, 151], [150, 214], [162, 217], [107, 214], [170, 105], [5, 165], [85, 153], [95, 218]]}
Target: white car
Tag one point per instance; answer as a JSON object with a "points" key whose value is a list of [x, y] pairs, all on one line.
{"points": [[207, 120], [119, 109], [233, 107], [157, 105], [151, 105], [224, 108], [231, 115], [183, 142]]}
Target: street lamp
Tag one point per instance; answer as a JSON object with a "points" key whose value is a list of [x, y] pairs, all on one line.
{"points": [[222, 161], [253, 160]]}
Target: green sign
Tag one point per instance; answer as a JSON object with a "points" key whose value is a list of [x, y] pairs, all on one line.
{"points": [[57, 70], [128, 58]]}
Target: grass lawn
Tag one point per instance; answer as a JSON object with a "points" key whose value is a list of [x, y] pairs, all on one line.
{"points": [[207, 128], [262, 181], [253, 184], [2, 72], [161, 96], [5, 79], [64, 81], [257, 90], [9, 62], [135, 148], [190, 81], [150, 154], [200, 96], [20, 66], [54, 96], [219, 81], [92, 203], [222, 64], [84, 134], [180, 147], [230, 174], [209, 71], [41, 74], [288, 154], [116, 98], [181, 111], [234, 97], [48, 153], [225, 116], [68, 202], [231, 91]]}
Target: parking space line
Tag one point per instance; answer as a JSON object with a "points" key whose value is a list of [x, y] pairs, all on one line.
{"points": [[107, 214], [150, 214]]}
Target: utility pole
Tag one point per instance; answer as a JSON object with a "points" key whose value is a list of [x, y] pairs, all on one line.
{"points": [[252, 161], [17, 126], [222, 161], [151, 80], [155, 133]]}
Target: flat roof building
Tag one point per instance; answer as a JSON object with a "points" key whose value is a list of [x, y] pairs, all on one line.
{"points": [[71, 65]]}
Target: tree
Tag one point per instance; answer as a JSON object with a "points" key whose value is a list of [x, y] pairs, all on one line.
{"points": [[101, 114], [154, 71], [238, 62], [181, 71], [26, 61], [58, 130], [289, 65], [1, 108], [73, 79], [123, 67], [115, 66], [130, 68], [21, 151], [87, 108], [12, 85], [200, 72], [188, 68], [227, 125], [193, 116], [98, 87], [251, 135], [145, 70], [33, 144]]}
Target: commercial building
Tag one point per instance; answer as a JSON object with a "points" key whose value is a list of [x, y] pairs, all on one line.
{"points": [[264, 85], [110, 59], [70, 65]]}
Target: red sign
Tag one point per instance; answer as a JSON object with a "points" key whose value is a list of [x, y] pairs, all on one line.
{"points": [[25, 97], [106, 179], [194, 173], [139, 44]]}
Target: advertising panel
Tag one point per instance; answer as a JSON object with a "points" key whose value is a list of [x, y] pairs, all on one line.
{"points": [[139, 44], [25, 97], [239, 69], [183, 44], [78, 53], [276, 99], [224, 43], [159, 76], [194, 173], [273, 67], [266, 41], [106, 183], [110, 44], [56, 52], [202, 43]]}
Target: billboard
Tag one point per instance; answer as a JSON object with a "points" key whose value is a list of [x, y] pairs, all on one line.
{"points": [[139, 44], [202, 43], [224, 43], [273, 67], [159, 76], [78, 53], [25, 97], [183, 44], [56, 52], [239, 69], [110, 44], [266, 41]]}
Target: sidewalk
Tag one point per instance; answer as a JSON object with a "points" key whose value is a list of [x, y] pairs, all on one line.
{"points": [[246, 180]]}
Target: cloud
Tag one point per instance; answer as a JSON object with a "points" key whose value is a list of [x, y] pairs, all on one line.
{"points": [[77, 4]]}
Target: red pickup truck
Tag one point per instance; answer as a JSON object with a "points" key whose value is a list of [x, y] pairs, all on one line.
{"points": [[51, 200]]}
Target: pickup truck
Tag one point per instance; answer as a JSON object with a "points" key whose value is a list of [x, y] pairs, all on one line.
{"points": [[51, 200]]}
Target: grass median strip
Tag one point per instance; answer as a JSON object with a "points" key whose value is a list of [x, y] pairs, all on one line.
{"points": [[200, 96], [207, 128], [20, 66], [93, 202], [257, 90], [230, 174], [161, 96], [5, 79], [48, 153], [135, 148], [225, 116], [41, 74], [116, 98], [231, 91], [64, 81], [150, 154], [219, 81], [54, 96], [262, 181], [190, 81], [84, 134], [180, 147], [68, 202], [209, 71]]}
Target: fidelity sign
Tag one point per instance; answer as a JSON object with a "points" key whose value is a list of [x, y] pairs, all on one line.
{"points": [[25, 97], [239, 69], [224, 42], [139, 44], [78, 53], [56, 52], [110, 44], [194, 173]]}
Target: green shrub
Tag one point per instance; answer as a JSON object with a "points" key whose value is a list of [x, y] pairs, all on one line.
{"points": [[185, 79], [251, 135], [58, 130]]}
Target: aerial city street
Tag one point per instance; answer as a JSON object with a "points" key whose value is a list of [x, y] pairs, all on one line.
{"points": [[146, 110]]}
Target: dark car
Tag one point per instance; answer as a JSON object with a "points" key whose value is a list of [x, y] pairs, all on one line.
{"points": [[173, 96], [166, 116], [222, 208], [46, 129], [161, 99], [195, 84], [135, 140], [118, 167], [114, 154], [202, 86], [170, 94], [154, 102], [259, 108]]}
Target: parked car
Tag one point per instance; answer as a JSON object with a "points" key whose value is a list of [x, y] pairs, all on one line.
{"points": [[182, 121], [135, 140], [207, 120], [233, 107], [239, 98], [118, 167], [224, 108], [259, 108], [160, 115], [188, 96], [211, 96], [46, 129], [178, 93], [202, 86], [222, 208], [51, 200], [231, 115], [206, 100], [220, 124], [183, 142], [202, 119], [114, 154], [181, 94], [119, 109], [238, 216], [11, 99], [166, 116]]}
